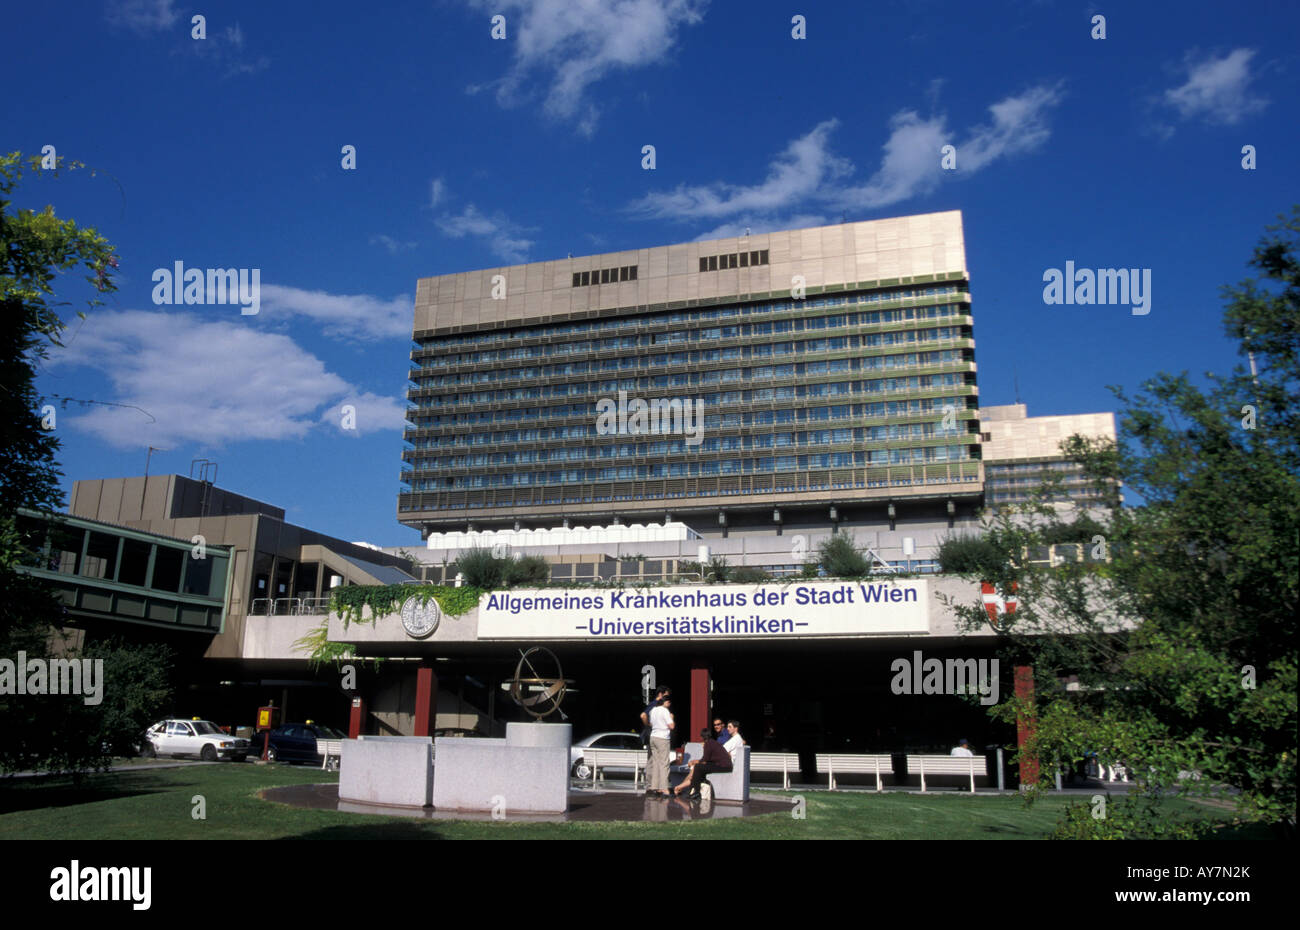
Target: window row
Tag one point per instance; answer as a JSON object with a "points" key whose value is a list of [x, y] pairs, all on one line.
{"points": [[745, 466], [604, 276], [663, 447], [733, 260], [724, 376], [613, 324], [915, 407], [893, 431], [641, 360], [866, 363]]}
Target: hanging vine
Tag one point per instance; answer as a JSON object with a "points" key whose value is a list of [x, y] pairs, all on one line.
{"points": [[350, 602]]}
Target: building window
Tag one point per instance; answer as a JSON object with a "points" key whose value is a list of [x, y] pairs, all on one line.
{"points": [[604, 276]]}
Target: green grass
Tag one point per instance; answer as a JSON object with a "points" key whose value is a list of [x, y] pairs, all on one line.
{"points": [[158, 804]]}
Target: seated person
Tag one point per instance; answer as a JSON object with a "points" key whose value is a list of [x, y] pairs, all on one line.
{"points": [[715, 759], [734, 741]]}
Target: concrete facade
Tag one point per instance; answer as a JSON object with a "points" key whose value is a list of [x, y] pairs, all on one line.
{"points": [[830, 367]]}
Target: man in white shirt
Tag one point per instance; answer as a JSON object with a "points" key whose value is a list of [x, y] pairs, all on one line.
{"points": [[961, 749], [661, 731], [734, 742]]}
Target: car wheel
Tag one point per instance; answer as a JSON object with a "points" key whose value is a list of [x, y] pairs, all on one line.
{"points": [[209, 753], [581, 770], [270, 754]]}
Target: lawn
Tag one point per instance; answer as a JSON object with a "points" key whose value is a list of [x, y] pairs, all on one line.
{"points": [[158, 804]]}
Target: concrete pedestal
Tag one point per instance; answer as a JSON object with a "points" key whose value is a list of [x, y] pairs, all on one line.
{"points": [[527, 772], [393, 770]]}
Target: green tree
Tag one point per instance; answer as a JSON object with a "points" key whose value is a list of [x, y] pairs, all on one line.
{"points": [[36, 247], [1183, 639]]}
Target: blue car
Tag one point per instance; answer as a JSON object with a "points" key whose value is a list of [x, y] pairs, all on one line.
{"points": [[296, 742]]}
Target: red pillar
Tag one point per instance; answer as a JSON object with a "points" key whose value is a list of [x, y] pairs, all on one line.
{"points": [[357, 719], [426, 700], [701, 698], [1025, 724]]}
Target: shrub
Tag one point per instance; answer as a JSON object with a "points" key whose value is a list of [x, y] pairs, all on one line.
{"points": [[717, 571], [747, 574], [810, 569], [971, 554], [482, 569], [528, 570], [841, 558]]}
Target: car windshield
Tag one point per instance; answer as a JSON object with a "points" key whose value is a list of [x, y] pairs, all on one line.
{"points": [[206, 728], [329, 733]]}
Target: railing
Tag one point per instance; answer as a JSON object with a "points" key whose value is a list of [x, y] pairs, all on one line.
{"points": [[288, 606]]}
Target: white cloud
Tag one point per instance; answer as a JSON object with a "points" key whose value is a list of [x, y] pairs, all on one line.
{"points": [[392, 245], [357, 317], [210, 383], [1217, 89], [142, 16], [225, 47], [798, 173], [504, 238], [575, 43], [808, 172], [437, 191], [370, 413]]}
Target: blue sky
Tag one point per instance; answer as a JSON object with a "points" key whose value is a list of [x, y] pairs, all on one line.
{"points": [[473, 152]]}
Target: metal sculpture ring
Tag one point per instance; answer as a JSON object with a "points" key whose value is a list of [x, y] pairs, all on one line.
{"points": [[547, 700]]}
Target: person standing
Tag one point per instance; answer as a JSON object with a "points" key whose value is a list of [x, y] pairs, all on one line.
{"points": [[660, 694], [661, 732]]}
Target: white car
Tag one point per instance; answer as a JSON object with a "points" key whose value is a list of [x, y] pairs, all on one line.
{"points": [[579, 769], [195, 737], [612, 740]]}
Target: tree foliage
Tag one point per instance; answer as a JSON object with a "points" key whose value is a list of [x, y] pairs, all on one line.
{"points": [[1183, 642], [36, 249]]}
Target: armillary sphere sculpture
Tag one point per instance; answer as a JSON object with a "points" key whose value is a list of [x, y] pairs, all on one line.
{"points": [[547, 701]]}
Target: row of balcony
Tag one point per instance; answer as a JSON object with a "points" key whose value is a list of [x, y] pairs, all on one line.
{"points": [[635, 323], [649, 352]]}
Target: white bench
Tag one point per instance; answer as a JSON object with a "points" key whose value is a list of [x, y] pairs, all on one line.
{"points": [[783, 762], [624, 758], [331, 753], [948, 765], [854, 764]]}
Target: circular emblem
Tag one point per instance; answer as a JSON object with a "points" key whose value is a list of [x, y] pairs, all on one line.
{"points": [[420, 619]]}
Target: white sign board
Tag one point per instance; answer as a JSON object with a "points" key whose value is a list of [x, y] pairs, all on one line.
{"points": [[795, 610]]}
